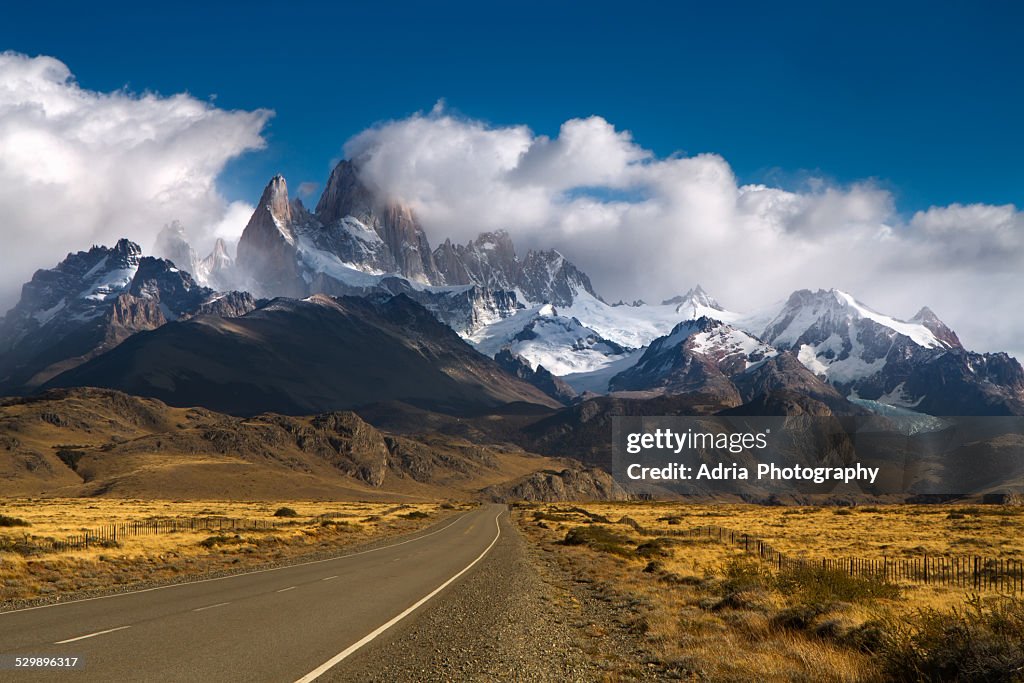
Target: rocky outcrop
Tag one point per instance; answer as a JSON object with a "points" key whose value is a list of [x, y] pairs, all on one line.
{"points": [[407, 251], [358, 449], [568, 485], [468, 309], [942, 332], [490, 261], [267, 251], [539, 377], [548, 277]]}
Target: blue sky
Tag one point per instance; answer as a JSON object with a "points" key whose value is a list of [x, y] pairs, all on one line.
{"points": [[926, 98]]}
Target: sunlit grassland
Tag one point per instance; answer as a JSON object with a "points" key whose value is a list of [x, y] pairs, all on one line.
{"points": [[709, 610], [28, 570]]}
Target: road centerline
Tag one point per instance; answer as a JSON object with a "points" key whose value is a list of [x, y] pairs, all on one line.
{"points": [[91, 635], [219, 604]]}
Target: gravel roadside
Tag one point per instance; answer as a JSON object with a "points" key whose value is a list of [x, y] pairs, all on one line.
{"points": [[516, 617]]}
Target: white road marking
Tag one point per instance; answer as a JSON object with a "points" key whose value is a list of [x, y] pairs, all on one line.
{"points": [[329, 578], [336, 659], [289, 588], [219, 604], [235, 576], [91, 635]]}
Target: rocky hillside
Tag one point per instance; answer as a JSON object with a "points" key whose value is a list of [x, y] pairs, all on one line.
{"points": [[574, 484], [88, 442]]}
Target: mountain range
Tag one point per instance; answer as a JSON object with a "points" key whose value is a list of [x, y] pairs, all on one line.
{"points": [[349, 304]]}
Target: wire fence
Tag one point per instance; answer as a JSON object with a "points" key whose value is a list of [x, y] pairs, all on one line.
{"points": [[970, 571], [111, 534]]}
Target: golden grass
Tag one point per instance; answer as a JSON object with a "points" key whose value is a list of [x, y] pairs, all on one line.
{"points": [[871, 532], [702, 624], [169, 556]]}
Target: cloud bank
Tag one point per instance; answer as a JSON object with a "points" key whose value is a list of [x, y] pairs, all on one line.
{"points": [[649, 227], [79, 167]]}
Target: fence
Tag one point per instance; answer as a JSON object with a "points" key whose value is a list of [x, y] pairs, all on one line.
{"points": [[107, 535], [974, 572]]}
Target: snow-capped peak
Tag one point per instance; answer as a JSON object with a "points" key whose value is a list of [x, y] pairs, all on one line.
{"points": [[542, 336], [695, 296], [812, 313], [713, 339], [942, 332]]}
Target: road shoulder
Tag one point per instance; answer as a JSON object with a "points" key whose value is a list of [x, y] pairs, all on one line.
{"points": [[502, 622]]}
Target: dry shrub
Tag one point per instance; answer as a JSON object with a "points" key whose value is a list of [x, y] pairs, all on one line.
{"points": [[981, 641], [600, 538], [816, 584]]}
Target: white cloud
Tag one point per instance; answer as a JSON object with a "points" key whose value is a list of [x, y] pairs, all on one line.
{"points": [[972, 235], [648, 227], [84, 167], [307, 189]]}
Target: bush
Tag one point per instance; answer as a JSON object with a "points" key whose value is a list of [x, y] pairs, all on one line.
{"points": [[821, 585], [12, 521], [415, 514], [801, 617], [592, 516], [22, 546], [599, 538], [983, 641], [549, 517], [214, 541], [285, 512], [656, 547], [745, 574], [335, 524]]}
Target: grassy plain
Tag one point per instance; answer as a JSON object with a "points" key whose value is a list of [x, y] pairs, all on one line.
{"points": [[709, 611], [29, 570], [862, 531]]}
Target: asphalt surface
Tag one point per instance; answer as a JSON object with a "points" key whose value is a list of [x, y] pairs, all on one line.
{"points": [[288, 624]]}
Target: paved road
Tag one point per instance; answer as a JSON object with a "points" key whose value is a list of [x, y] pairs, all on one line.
{"points": [[287, 624]]}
